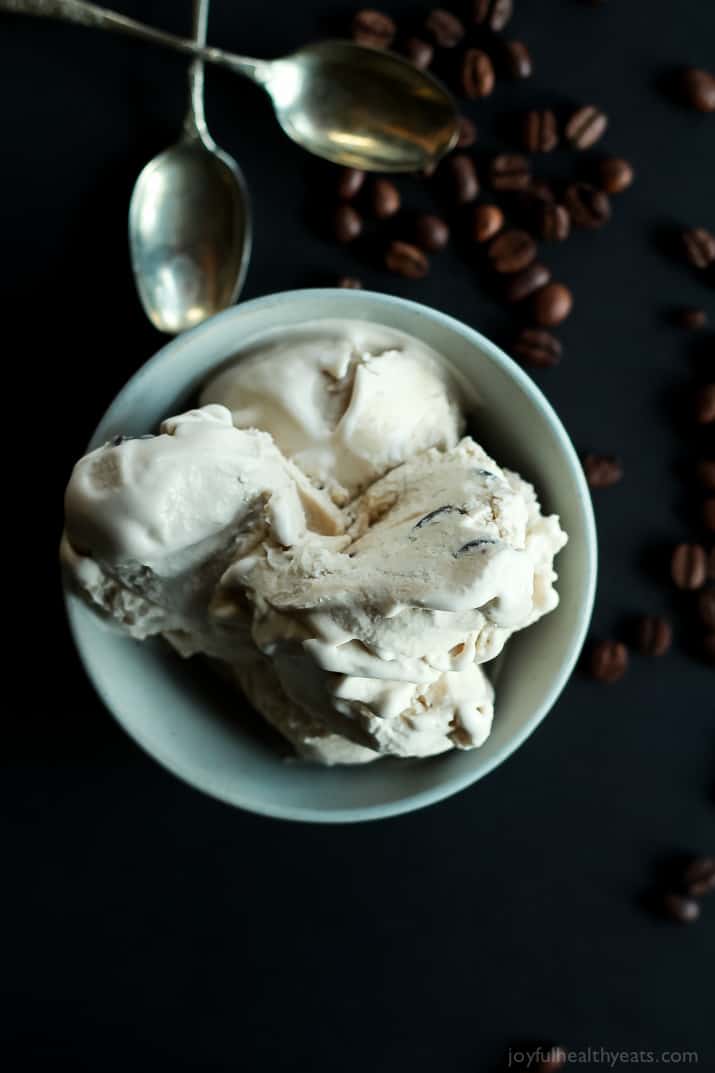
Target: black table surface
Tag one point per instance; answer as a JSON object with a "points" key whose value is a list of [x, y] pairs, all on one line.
{"points": [[150, 927]]}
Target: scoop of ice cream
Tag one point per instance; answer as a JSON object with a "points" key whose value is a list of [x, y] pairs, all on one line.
{"points": [[346, 400]]}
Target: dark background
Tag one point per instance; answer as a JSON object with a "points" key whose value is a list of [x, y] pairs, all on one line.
{"points": [[148, 927]]}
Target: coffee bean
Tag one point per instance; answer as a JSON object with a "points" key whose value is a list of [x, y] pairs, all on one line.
{"points": [[705, 404], [588, 207], [698, 246], [511, 251], [373, 28], [487, 221], [553, 1061], [602, 471], [350, 283], [552, 304], [539, 133], [691, 319], [688, 566], [680, 908], [654, 635], [492, 13], [708, 648], [699, 877], [477, 74], [419, 52], [709, 514], [540, 190], [614, 175], [609, 661], [699, 89], [538, 348], [552, 221], [467, 133], [350, 183], [510, 171], [518, 59], [385, 198], [706, 473], [406, 260], [527, 282], [462, 176], [585, 127], [444, 27], [347, 223], [706, 608], [431, 233]]}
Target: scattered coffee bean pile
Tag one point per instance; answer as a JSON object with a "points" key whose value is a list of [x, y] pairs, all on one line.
{"points": [[500, 203]]}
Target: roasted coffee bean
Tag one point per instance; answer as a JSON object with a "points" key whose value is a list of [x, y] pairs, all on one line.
{"points": [[706, 473], [477, 74], [691, 319], [431, 233], [699, 89], [538, 348], [552, 221], [688, 566], [350, 283], [706, 608], [608, 661], [385, 199], [539, 131], [585, 127], [373, 28], [602, 471], [553, 1061], [347, 223], [462, 176], [487, 221], [527, 282], [654, 635], [406, 260], [681, 908], [540, 190], [511, 251], [518, 59], [467, 133], [492, 13], [350, 183], [705, 404], [510, 171], [552, 304], [699, 246], [444, 27], [588, 206], [614, 175], [419, 52], [699, 877], [709, 514]]}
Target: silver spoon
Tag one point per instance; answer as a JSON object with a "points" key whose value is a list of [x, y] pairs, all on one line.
{"points": [[189, 219], [357, 106]]}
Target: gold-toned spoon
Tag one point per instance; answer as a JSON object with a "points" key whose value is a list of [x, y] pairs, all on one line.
{"points": [[190, 219], [360, 107]]}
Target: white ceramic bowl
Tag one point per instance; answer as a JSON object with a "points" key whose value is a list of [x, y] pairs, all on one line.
{"points": [[195, 726]]}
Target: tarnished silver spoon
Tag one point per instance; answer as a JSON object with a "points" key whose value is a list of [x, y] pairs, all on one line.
{"points": [[361, 107], [189, 219]]}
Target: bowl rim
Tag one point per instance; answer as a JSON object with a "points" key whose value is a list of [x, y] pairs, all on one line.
{"points": [[447, 787]]}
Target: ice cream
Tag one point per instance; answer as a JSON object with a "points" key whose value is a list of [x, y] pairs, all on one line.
{"points": [[320, 528]]}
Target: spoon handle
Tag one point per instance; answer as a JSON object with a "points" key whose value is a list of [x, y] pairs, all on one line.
{"points": [[195, 121], [100, 18]]}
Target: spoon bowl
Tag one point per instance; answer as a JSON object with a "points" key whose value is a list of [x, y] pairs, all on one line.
{"points": [[189, 235], [361, 107]]}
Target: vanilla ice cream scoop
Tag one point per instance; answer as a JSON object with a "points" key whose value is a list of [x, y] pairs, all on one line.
{"points": [[345, 400]]}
